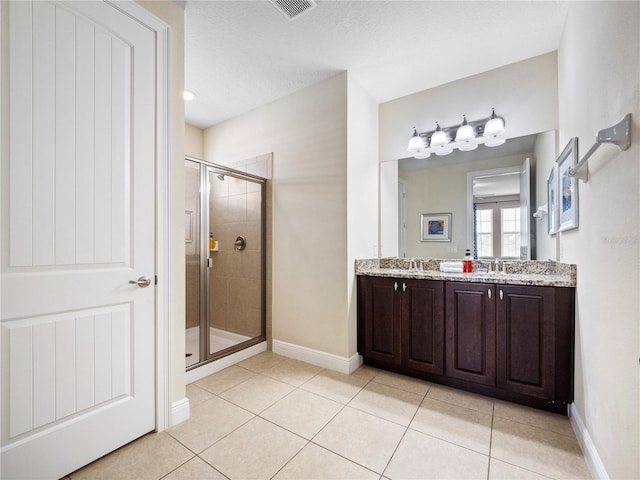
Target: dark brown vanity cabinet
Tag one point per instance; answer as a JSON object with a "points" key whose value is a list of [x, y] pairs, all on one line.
{"points": [[470, 332], [509, 341], [401, 323], [534, 347], [379, 323]]}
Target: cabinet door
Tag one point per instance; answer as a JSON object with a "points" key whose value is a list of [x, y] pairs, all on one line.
{"points": [[423, 325], [525, 336], [470, 332], [379, 319]]}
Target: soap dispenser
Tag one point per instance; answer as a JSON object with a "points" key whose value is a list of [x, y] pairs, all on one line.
{"points": [[467, 262]]}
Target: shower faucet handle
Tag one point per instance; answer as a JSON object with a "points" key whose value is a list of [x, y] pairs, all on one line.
{"points": [[240, 243]]}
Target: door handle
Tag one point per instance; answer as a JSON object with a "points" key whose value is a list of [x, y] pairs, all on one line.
{"points": [[501, 294], [395, 286], [489, 293], [142, 282], [404, 287]]}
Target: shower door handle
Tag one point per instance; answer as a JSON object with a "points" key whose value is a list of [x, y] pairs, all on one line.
{"points": [[142, 282]]}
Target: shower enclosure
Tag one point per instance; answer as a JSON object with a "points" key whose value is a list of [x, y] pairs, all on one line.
{"points": [[225, 261]]}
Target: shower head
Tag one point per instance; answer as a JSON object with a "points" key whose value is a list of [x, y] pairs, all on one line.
{"points": [[221, 177]]}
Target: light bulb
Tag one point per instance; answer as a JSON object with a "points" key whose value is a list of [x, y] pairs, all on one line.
{"points": [[422, 154]]}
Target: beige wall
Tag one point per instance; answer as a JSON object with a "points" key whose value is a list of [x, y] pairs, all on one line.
{"points": [[307, 133], [193, 141], [599, 82], [173, 15], [362, 191], [524, 93]]}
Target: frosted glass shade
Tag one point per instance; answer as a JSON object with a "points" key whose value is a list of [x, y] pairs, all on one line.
{"points": [[415, 142], [495, 143], [467, 147], [439, 139], [494, 127], [465, 133], [444, 151]]}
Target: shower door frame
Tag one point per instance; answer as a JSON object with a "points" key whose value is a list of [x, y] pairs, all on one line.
{"points": [[204, 337]]}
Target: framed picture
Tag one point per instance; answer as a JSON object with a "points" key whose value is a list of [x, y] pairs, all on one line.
{"points": [[567, 191], [435, 227], [552, 201]]}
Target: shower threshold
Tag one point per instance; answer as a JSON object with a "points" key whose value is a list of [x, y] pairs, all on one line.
{"points": [[218, 340]]}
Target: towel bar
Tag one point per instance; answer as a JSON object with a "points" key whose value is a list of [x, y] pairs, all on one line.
{"points": [[619, 135]]}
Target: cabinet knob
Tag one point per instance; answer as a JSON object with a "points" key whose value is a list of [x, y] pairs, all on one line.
{"points": [[489, 293], [501, 294], [395, 286], [404, 287]]}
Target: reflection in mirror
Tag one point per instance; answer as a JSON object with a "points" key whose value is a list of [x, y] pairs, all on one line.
{"points": [[441, 185], [497, 202]]}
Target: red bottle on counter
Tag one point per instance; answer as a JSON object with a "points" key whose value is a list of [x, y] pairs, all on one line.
{"points": [[467, 262]]}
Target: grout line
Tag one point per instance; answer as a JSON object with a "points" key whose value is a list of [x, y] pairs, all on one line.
{"points": [[395, 450], [493, 416], [345, 458], [289, 461], [212, 467]]}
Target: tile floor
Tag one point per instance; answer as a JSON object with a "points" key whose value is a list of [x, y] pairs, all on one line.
{"points": [[274, 417]]}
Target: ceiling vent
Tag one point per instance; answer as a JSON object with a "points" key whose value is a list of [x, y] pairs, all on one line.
{"points": [[294, 8]]}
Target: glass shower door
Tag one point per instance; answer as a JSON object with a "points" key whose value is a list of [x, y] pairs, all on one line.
{"points": [[235, 309], [193, 261], [225, 261]]}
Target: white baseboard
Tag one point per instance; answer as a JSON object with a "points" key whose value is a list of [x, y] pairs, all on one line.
{"points": [[316, 357], [586, 444], [213, 367], [180, 411]]}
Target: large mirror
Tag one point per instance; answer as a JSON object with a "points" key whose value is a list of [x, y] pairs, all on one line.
{"points": [[490, 194]]}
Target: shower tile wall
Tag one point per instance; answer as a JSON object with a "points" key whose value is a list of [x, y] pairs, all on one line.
{"points": [[235, 281]]}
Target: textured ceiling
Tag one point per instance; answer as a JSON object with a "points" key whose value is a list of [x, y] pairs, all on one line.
{"points": [[240, 55]]}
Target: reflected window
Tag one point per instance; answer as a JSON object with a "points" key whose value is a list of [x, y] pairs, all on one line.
{"points": [[510, 236], [484, 232], [498, 228]]}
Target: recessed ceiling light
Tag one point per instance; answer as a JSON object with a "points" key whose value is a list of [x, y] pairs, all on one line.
{"points": [[188, 96]]}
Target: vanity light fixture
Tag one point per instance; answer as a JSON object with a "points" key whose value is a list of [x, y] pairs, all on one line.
{"points": [[467, 136]]}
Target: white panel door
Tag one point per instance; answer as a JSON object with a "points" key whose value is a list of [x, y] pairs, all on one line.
{"points": [[78, 223]]}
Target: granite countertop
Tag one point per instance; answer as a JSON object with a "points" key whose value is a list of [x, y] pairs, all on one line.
{"points": [[538, 273]]}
